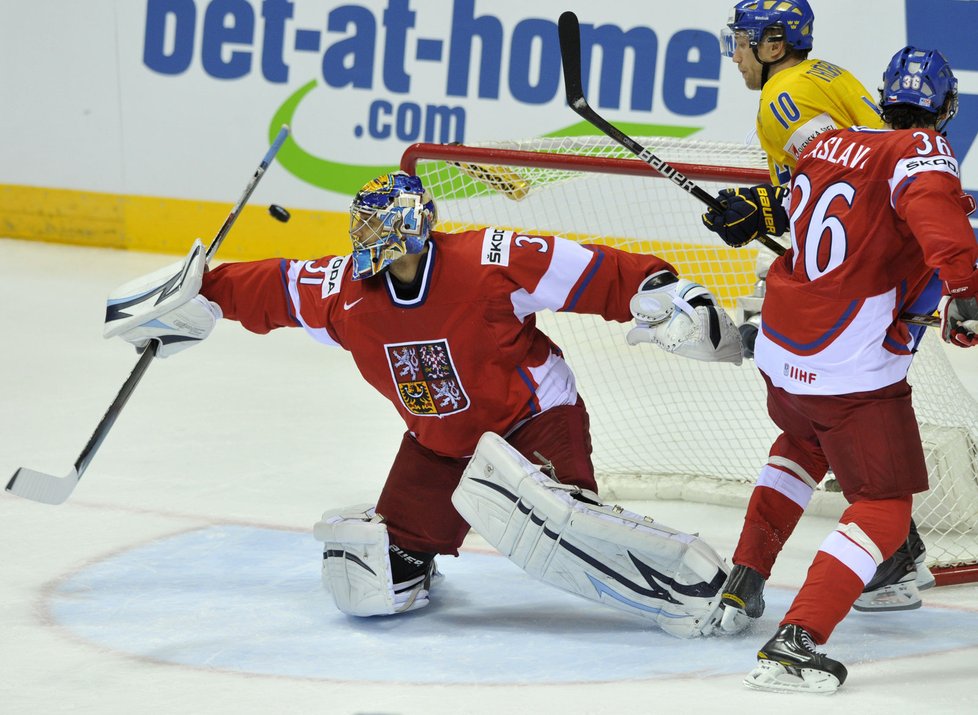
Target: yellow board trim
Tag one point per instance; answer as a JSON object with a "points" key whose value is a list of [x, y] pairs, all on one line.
{"points": [[161, 225]]}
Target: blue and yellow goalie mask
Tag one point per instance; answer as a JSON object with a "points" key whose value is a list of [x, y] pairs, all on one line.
{"points": [[389, 217]]}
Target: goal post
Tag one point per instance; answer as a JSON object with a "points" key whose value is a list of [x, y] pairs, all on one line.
{"points": [[665, 427]]}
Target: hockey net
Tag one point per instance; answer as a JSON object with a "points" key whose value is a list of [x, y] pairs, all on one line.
{"points": [[665, 427]]}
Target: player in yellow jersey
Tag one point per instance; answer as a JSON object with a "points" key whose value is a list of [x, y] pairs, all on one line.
{"points": [[769, 41]]}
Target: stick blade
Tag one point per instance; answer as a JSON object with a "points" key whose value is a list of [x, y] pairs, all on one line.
{"points": [[569, 32], [41, 487]]}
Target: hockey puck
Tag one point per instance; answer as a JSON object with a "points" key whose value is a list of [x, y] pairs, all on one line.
{"points": [[278, 213]]}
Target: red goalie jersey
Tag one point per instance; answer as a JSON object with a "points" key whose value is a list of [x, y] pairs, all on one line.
{"points": [[462, 357], [873, 212]]}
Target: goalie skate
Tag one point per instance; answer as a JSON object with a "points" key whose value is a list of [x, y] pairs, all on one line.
{"points": [[356, 567]]}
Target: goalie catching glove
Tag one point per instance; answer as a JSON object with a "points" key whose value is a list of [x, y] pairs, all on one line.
{"points": [[164, 306], [682, 317], [748, 213]]}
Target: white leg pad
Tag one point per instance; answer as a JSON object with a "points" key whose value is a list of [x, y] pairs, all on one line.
{"points": [[603, 553], [357, 567]]}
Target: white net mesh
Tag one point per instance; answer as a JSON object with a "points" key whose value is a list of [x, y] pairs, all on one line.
{"points": [[665, 427]]}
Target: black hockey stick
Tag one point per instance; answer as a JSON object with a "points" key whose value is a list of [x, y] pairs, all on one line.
{"points": [[569, 30], [50, 489]]}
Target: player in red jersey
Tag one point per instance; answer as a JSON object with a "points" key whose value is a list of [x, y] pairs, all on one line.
{"points": [[444, 326], [770, 41], [872, 214]]}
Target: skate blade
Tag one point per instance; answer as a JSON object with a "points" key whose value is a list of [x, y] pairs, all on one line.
{"points": [[897, 597], [773, 677], [925, 579]]}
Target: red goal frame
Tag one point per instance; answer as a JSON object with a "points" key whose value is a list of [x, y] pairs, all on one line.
{"points": [[552, 160]]}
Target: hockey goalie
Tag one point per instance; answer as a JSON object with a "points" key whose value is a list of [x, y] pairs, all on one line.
{"points": [[443, 325]]}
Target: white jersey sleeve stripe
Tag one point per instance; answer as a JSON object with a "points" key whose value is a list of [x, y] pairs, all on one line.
{"points": [[320, 335], [567, 265], [906, 169], [555, 383]]}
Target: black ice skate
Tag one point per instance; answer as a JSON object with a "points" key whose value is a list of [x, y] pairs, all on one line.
{"points": [[744, 589], [894, 585], [788, 663], [925, 579], [742, 599]]}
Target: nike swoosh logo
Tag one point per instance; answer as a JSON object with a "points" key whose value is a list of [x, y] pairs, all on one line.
{"points": [[347, 306]]}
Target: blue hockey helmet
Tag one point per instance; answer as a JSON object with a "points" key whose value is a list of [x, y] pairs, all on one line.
{"points": [[920, 78], [793, 19], [390, 216]]}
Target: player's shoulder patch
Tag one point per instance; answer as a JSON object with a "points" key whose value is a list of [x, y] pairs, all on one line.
{"points": [[327, 272], [802, 134], [925, 150], [496, 243], [909, 166]]}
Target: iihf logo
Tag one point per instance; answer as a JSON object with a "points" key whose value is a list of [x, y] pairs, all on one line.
{"points": [[796, 373]]}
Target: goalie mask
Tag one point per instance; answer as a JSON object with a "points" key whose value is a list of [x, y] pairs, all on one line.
{"points": [[389, 217], [921, 78], [790, 20]]}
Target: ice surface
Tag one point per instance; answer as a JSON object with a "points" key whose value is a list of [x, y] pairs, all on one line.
{"points": [[181, 576]]}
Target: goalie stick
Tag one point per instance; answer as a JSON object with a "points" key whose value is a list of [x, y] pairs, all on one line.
{"points": [[569, 31], [51, 489]]}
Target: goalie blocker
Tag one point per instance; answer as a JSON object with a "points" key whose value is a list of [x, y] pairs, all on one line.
{"points": [[164, 306], [564, 536]]}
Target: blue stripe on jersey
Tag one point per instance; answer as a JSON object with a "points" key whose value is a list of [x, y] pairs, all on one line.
{"points": [[818, 342], [901, 187], [533, 402], [872, 105], [783, 172], [898, 348], [586, 280], [926, 302], [283, 271]]}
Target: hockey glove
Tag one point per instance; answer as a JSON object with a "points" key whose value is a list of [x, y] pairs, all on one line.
{"points": [[959, 321], [748, 213], [959, 312], [684, 318]]}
